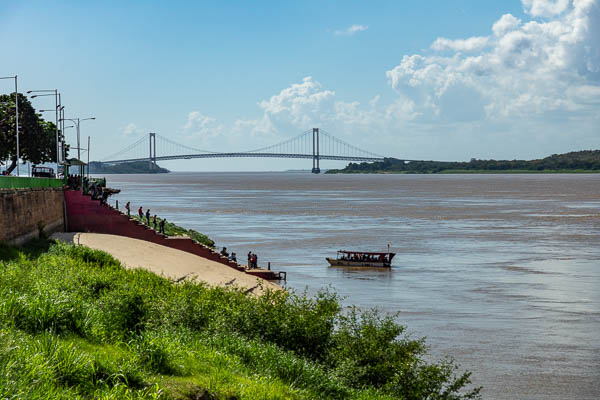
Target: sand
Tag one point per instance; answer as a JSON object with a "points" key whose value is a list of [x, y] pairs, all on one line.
{"points": [[173, 264]]}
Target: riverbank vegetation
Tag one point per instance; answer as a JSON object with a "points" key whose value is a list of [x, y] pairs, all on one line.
{"points": [[175, 230], [574, 162], [76, 324], [134, 167]]}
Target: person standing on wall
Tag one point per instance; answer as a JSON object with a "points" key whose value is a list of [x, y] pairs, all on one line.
{"points": [[148, 216], [141, 214], [128, 208]]}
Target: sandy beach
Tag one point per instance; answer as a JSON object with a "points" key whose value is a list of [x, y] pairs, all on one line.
{"points": [[171, 263]]}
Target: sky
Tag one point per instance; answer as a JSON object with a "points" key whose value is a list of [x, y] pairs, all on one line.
{"points": [[434, 80]]}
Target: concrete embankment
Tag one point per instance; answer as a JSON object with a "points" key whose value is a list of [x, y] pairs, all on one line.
{"points": [[26, 212], [174, 264]]}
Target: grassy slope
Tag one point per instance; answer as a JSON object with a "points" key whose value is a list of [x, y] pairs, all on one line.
{"points": [[75, 324], [176, 230]]}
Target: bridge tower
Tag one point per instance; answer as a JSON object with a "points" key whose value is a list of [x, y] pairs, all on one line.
{"points": [[151, 156], [315, 168]]}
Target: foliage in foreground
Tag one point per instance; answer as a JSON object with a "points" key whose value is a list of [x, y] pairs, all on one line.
{"points": [[175, 230], [75, 324]]}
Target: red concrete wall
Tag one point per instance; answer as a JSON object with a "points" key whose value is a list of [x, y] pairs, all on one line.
{"points": [[87, 215]]}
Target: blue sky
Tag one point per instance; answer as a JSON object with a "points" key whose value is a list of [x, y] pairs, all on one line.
{"points": [[433, 80]]}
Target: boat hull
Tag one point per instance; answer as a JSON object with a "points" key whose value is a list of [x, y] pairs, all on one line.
{"points": [[348, 263]]}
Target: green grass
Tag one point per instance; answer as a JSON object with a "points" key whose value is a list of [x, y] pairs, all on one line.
{"points": [[176, 230], [74, 324]]}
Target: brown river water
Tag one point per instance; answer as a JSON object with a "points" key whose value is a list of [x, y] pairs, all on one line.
{"points": [[500, 272]]}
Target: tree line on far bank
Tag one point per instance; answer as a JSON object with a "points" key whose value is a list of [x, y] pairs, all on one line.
{"points": [[577, 161]]}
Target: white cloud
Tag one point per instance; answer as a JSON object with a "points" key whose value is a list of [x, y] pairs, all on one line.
{"points": [[132, 129], [470, 44], [198, 124], [353, 29], [545, 8], [523, 70], [505, 24]]}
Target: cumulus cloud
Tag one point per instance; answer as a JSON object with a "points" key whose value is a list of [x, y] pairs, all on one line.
{"points": [[351, 30], [132, 129], [522, 69], [505, 24], [470, 44], [545, 8]]}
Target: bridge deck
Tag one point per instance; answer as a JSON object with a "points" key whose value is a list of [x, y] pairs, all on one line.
{"points": [[258, 155]]}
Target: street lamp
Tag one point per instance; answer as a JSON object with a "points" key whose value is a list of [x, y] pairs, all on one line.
{"points": [[50, 92], [16, 117], [77, 122]]}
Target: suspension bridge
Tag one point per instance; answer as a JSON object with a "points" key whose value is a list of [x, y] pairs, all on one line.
{"points": [[315, 144]]}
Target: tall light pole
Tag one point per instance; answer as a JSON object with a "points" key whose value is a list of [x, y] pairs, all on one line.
{"points": [[78, 121], [16, 117], [57, 104]]}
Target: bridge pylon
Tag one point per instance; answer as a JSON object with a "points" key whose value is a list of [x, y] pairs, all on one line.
{"points": [[315, 168], [151, 156]]}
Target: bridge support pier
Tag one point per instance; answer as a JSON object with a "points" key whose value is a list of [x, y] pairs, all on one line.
{"points": [[315, 168], [151, 157]]}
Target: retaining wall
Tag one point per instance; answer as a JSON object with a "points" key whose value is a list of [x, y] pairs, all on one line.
{"points": [[87, 215], [27, 211]]}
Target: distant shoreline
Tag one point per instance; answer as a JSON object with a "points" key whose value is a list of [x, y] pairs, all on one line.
{"points": [[575, 162], [468, 172]]}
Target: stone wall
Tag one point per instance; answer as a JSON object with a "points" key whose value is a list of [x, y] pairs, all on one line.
{"points": [[23, 212]]}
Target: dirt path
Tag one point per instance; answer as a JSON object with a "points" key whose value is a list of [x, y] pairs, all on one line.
{"points": [[174, 264]]}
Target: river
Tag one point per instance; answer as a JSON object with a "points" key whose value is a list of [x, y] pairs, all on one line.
{"points": [[501, 272]]}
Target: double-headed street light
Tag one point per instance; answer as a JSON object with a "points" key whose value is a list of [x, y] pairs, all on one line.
{"points": [[16, 117], [77, 122], [51, 92]]}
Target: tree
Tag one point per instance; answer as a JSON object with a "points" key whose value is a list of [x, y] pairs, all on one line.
{"points": [[37, 138]]}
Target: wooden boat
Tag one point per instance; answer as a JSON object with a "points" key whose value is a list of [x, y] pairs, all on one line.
{"points": [[350, 258]]}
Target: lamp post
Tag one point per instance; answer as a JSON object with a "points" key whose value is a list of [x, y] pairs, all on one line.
{"points": [[78, 121], [16, 117], [57, 104]]}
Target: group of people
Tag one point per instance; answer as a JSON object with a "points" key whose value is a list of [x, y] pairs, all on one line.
{"points": [[231, 256], [252, 260], [99, 192], [364, 257], [158, 225], [75, 181]]}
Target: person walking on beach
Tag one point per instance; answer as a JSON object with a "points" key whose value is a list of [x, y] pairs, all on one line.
{"points": [[161, 226], [148, 216], [154, 221], [141, 214], [128, 208]]}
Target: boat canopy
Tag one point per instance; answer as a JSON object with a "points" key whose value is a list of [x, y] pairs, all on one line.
{"points": [[369, 253]]}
